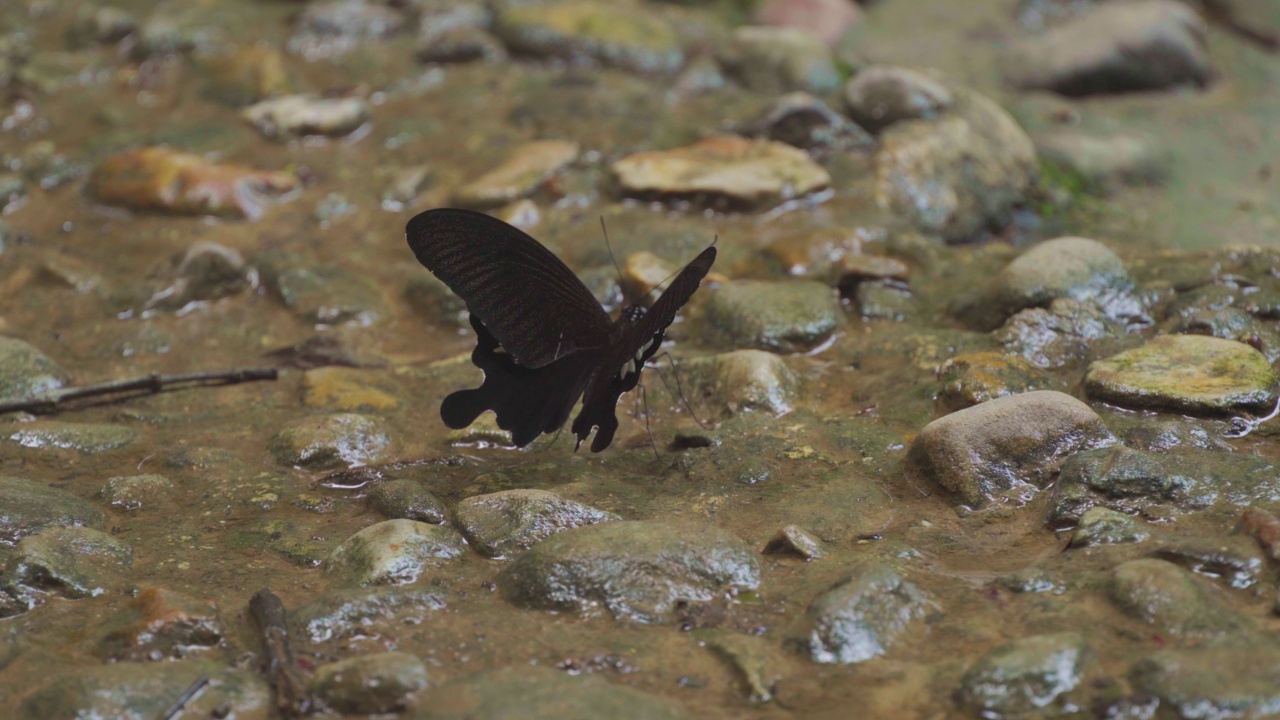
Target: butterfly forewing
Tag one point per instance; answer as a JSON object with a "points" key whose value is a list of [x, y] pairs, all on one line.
{"points": [[530, 301]]}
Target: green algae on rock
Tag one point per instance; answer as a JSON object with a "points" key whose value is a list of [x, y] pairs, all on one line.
{"points": [[504, 523], [861, 617], [85, 438], [1103, 526], [393, 552], [407, 499], [1029, 676], [722, 171], [525, 170], [781, 317], [743, 380], [28, 507], [330, 441], [775, 60], [71, 562], [348, 612], [1233, 677], [637, 571], [619, 34], [973, 378], [1172, 600], [26, 371], [1186, 373]]}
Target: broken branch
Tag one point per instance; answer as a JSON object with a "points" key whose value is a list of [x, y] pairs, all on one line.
{"points": [[52, 400]]}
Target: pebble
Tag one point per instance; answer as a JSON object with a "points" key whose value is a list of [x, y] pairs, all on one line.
{"points": [[862, 616], [25, 371], [384, 682], [1234, 560], [504, 524], [637, 571], [206, 272], [101, 25], [328, 295], [1171, 600], [1102, 526], [458, 32], [161, 179], [619, 34], [133, 691], [820, 252], [756, 660], [1026, 677], [347, 389], [742, 381], [331, 29], [404, 187], [525, 691], [84, 438], [435, 302], [1157, 484], [889, 300], [774, 60], [1066, 332], [331, 441], [302, 115], [31, 507], [958, 175], [363, 612], [70, 562], [162, 624], [973, 378], [829, 20], [881, 95], [393, 552], [805, 121], [1186, 373], [1115, 48], [1107, 161], [134, 492], [722, 171], [406, 499], [792, 540], [1013, 444], [526, 169], [782, 317], [1233, 677], [246, 75]]}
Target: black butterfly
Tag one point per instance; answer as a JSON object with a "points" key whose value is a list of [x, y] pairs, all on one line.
{"points": [[542, 339]]}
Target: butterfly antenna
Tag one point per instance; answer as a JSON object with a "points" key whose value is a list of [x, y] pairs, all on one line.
{"points": [[675, 373], [644, 398], [609, 247]]}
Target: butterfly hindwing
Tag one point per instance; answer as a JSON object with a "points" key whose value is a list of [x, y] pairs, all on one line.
{"points": [[530, 301]]}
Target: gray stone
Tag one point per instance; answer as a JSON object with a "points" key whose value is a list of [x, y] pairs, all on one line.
{"points": [[742, 381], [207, 271], [881, 95], [784, 317], [1236, 324], [1102, 526], [505, 523], [526, 168], [393, 552], [860, 618], [330, 441], [85, 438], [972, 378], [26, 371], [1116, 47], [1186, 373], [1233, 679], [958, 176], [27, 508], [350, 612], [538, 692], [329, 295], [72, 562], [331, 29], [806, 122], [722, 172], [889, 300], [1026, 677], [144, 691], [638, 571], [792, 540], [134, 492], [773, 60], [1067, 331], [457, 32], [1235, 560], [1015, 443], [301, 115], [621, 35], [1171, 600], [1157, 484], [435, 302], [370, 684], [408, 500], [1107, 161]]}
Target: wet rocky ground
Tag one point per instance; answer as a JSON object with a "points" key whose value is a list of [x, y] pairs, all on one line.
{"points": [[971, 418]]}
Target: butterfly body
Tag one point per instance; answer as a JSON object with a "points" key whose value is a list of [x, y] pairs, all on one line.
{"points": [[542, 339]]}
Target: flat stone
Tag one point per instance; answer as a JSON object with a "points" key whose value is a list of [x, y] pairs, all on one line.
{"points": [[25, 371], [1107, 161], [1231, 678], [523, 691], [1102, 526], [743, 381], [524, 171], [1010, 444], [328, 295], [160, 179], [371, 611], [27, 508], [393, 552], [301, 115], [206, 272], [774, 60], [1186, 373], [974, 378], [881, 95], [85, 438], [1115, 48], [134, 492], [782, 317], [861, 617], [346, 389], [722, 171], [331, 441], [71, 562], [1025, 677], [792, 540], [621, 34], [1171, 600], [406, 499], [959, 175], [370, 684], [637, 571], [505, 523]]}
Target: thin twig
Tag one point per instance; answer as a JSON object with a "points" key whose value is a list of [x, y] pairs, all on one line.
{"points": [[292, 697], [52, 400], [187, 696]]}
